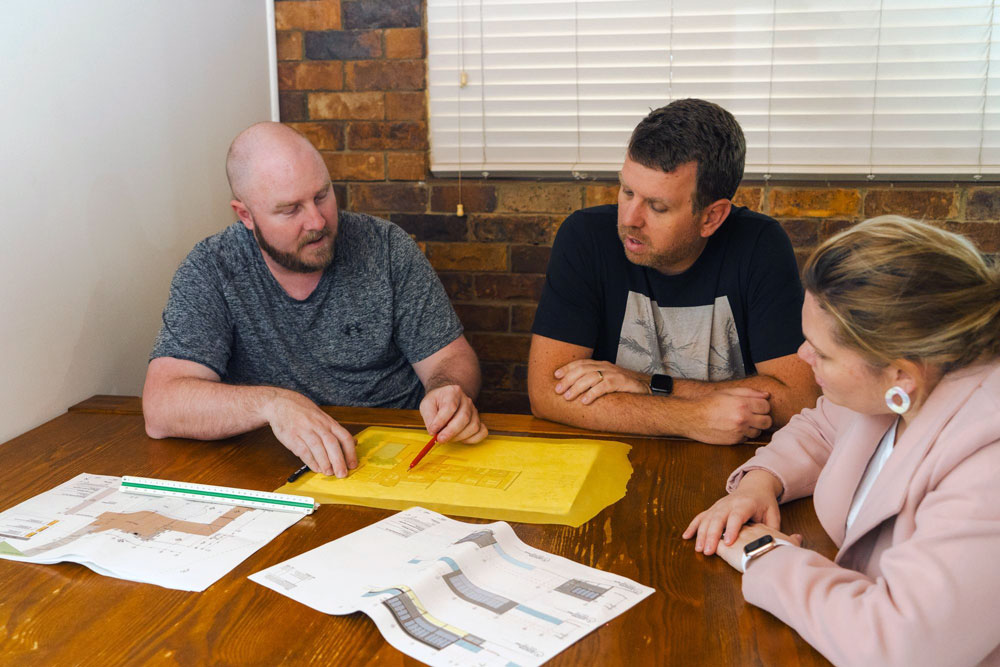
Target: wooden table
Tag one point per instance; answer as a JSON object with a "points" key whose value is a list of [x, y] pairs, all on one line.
{"points": [[65, 614]]}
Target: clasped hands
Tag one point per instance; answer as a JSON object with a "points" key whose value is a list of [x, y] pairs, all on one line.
{"points": [[723, 415], [328, 448]]}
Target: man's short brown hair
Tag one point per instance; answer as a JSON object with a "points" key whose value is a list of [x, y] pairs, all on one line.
{"points": [[693, 130]]}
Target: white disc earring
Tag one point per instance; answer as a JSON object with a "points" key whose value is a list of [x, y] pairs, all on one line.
{"points": [[904, 400]]}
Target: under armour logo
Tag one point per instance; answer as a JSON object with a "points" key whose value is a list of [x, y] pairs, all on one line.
{"points": [[350, 330]]}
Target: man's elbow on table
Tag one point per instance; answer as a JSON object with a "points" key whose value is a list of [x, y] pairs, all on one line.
{"points": [[156, 426], [536, 387], [161, 391], [154, 401], [545, 357], [537, 409], [542, 397]]}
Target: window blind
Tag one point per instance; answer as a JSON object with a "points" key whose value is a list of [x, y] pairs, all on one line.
{"points": [[857, 88]]}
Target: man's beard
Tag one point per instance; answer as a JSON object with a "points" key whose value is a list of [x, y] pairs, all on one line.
{"points": [[652, 260], [291, 260], [664, 261]]}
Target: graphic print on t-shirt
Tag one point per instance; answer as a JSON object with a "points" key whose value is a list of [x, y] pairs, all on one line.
{"points": [[696, 342]]}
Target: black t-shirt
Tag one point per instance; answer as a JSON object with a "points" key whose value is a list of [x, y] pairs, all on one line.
{"points": [[739, 304]]}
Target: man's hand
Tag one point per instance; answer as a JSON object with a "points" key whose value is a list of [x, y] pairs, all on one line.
{"points": [[450, 415], [588, 379], [311, 434], [755, 499], [727, 416]]}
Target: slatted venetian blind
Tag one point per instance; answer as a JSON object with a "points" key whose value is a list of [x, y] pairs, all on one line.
{"points": [[853, 88]]}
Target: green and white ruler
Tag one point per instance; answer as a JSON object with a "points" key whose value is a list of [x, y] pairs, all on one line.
{"points": [[218, 494]]}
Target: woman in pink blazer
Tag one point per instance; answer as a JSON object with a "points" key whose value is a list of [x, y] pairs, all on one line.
{"points": [[901, 456]]}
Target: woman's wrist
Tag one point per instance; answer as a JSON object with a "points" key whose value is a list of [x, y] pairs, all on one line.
{"points": [[750, 553], [760, 482]]}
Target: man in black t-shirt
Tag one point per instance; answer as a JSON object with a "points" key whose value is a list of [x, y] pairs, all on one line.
{"points": [[674, 312]]}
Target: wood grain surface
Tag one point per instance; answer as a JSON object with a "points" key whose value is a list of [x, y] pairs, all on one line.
{"points": [[66, 615]]}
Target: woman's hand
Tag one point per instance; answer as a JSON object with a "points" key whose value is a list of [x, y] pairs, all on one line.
{"points": [[733, 554], [755, 499]]}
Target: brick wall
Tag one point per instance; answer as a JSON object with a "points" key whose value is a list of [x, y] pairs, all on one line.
{"points": [[352, 75]]}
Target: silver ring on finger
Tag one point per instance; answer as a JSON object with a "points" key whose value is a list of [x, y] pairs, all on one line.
{"points": [[600, 375]]}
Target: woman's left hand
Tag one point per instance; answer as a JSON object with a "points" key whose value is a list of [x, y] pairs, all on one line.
{"points": [[733, 553]]}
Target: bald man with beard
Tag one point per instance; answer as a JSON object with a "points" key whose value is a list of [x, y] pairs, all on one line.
{"points": [[298, 305]]}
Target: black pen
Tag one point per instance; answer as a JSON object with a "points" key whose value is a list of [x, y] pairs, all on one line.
{"points": [[298, 473]]}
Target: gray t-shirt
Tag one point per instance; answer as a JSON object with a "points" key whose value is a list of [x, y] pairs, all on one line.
{"points": [[378, 308]]}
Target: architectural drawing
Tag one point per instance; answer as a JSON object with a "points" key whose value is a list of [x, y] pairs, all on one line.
{"points": [[414, 620], [143, 524], [172, 542], [440, 590], [387, 464]]}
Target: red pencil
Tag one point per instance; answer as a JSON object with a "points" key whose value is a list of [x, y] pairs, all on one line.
{"points": [[423, 452]]}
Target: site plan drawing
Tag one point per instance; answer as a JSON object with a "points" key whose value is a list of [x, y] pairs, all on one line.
{"points": [[171, 542], [450, 593], [511, 478]]}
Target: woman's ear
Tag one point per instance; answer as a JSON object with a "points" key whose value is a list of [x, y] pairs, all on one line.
{"points": [[914, 378]]}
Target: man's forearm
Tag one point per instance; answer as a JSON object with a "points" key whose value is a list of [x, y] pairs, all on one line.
{"points": [[619, 413], [469, 381], [667, 415], [568, 386], [723, 417], [460, 369], [204, 409]]}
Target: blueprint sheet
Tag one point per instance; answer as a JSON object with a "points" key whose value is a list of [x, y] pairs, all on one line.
{"points": [[453, 593], [170, 542]]}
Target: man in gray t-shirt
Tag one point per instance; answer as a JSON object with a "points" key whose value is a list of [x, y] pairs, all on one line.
{"points": [[298, 305]]}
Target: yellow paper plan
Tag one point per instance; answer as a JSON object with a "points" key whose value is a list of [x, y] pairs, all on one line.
{"points": [[511, 478]]}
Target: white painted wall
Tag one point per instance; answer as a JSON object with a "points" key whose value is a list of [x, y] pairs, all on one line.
{"points": [[115, 117]]}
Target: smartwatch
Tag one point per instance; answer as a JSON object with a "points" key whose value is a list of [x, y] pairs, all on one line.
{"points": [[759, 547], [662, 385]]}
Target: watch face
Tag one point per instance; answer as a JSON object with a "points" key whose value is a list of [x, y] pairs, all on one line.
{"points": [[757, 544], [661, 384]]}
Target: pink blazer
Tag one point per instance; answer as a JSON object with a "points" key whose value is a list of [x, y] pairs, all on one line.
{"points": [[916, 581]]}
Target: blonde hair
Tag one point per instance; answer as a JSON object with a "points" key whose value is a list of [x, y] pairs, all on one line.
{"points": [[903, 289]]}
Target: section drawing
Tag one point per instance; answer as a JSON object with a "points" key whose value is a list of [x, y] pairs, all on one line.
{"points": [[468, 591], [582, 589]]}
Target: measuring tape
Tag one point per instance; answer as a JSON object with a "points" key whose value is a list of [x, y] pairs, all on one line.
{"points": [[218, 494]]}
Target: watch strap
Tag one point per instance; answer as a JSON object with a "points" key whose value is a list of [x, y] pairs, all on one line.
{"points": [[775, 543]]}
